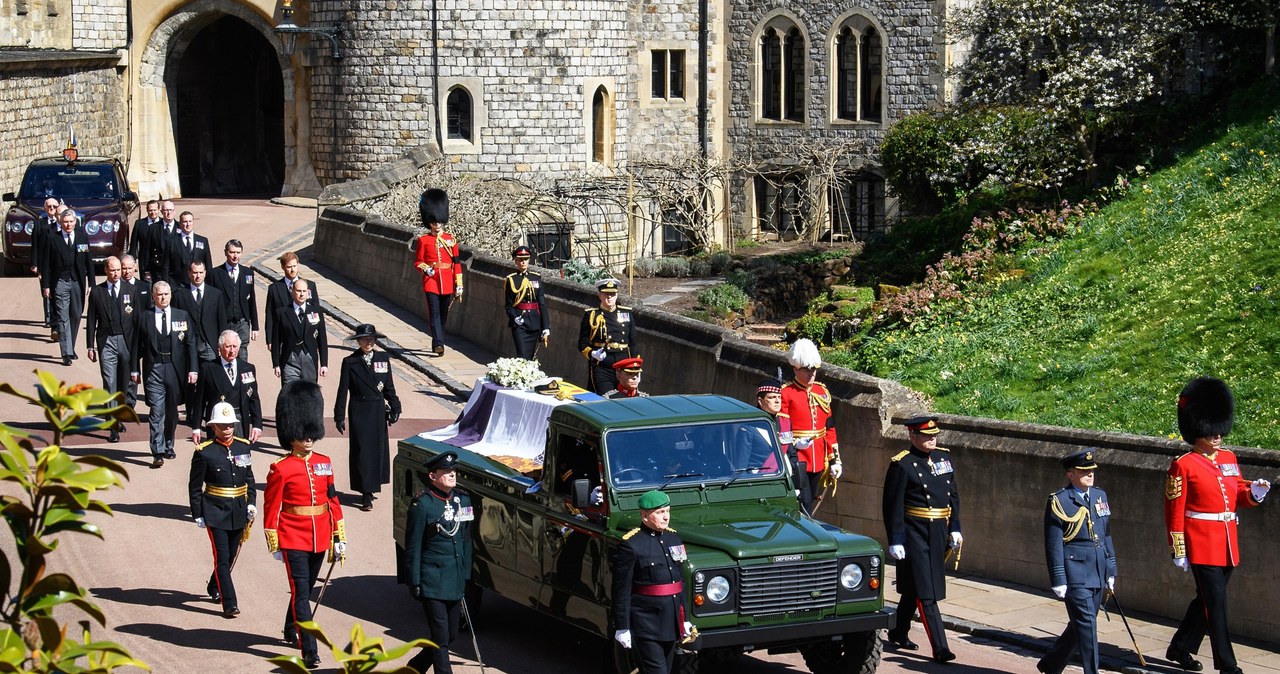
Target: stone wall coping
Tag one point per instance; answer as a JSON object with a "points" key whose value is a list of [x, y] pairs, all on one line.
{"points": [[381, 180], [21, 59]]}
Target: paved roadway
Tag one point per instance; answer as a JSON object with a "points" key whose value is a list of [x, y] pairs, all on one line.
{"points": [[149, 573]]}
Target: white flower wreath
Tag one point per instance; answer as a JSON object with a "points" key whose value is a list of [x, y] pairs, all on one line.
{"points": [[514, 372]]}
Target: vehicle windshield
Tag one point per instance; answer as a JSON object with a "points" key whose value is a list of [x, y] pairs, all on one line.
{"points": [[70, 181], [727, 451]]}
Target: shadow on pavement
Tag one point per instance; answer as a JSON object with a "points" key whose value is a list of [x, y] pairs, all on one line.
{"points": [[167, 511], [228, 640]]}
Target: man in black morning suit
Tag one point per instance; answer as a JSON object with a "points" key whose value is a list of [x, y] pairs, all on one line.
{"points": [[228, 380], [207, 307], [44, 227], [300, 343], [140, 292], [110, 332], [280, 293], [168, 362], [236, 282], [66, 278], [185, 246], [144, 234]]}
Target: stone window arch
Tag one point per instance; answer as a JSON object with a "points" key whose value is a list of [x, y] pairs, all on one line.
{"points": [[781, 71], [459, 115], [858, 58], [601, 132]]}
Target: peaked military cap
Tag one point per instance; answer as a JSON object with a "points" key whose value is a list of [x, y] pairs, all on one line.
{"points": [[1083, 460], [522, 252], [924, 425], [442, 461], [608, 286], [630, 364]]}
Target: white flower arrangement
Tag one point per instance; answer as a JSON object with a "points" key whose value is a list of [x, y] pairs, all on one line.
{"points": [[514, 372]]}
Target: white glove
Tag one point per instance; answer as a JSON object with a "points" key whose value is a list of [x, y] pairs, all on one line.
{"points": [[546, 334], [623, 637], [1060, 591], [431, 271], [340, 548], [599, 354], [956, 539], [253, 512], [1259, 489], [688, 629], [897, 552], [278, 555], [519, 320], [200, 522], [803, 443], [1111, 583], [1181, 563], [837, 470], [597, 496]]}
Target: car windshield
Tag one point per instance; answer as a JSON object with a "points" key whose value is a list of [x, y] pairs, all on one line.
{"points": [[724, 452], [70, 181]]}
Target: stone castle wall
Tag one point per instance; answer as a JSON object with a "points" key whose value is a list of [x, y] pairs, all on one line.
{"points": [[101, 25]]}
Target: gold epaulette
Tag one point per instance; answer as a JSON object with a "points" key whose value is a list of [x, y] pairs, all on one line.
{"points": [[244, 440], [943, 449], [281, 458], [622, 308], [671, 529], [204, 444], [784, 414], [899, 455], [631, 533]]}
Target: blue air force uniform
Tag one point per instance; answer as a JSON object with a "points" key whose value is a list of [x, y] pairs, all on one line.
{"points": [[1080, 555]]}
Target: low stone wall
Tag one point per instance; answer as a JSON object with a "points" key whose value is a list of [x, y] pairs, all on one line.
{"points": [[1006, 470]]}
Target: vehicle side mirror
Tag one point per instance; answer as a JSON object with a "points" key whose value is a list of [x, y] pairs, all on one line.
{"points": [[9, 196], [581, 493], [130, 195]]}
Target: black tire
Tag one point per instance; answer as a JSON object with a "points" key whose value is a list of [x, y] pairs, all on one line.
{"points": [[717, 661], [14, 270], [686, 662], [856, 653]]}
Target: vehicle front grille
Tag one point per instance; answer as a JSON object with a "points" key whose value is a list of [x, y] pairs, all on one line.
{"points": [[788, 587]]}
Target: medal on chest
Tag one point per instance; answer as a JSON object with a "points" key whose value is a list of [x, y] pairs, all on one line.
{"points": [[1230, 469], [324, 469], [1101, 508], [241, 460], [942, 467], [380, 368], [678, 553]]}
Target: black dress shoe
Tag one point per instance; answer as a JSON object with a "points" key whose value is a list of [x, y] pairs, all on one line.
{"points": [[215, 595], [311, 661], [231, 612], [66, 360], [114, 437], [1045, 670], [439, 350], [944, 656], [1183, 659], [157, 462], [289, 636], [904, 643]]}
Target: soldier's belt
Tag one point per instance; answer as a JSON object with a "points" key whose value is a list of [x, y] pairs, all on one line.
{"points": [[615, 346], [1215, 517], [527, 306], [809, 434], [306, 510], [443, 265], [226, 492], [929, 513], [664, 590]]}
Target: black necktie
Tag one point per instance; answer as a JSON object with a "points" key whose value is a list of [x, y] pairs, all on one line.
{"points": [[198, 293], [111, 291], [165, 330], [188, 239]]}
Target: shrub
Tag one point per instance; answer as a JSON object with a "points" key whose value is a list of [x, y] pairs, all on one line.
{"points": [[723, 298], [809, 326], [578, 271], [720, 262], [645, 267], [700, 267], [744, 280], [672, 267]]}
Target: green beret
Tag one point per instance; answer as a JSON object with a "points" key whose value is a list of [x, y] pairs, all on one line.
{"points": [[654, 499]]}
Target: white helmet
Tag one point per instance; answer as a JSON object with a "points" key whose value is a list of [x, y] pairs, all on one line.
{"points": [[223, 413], [804, 353]]}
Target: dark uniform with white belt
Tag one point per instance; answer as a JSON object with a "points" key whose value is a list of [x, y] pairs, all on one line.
{"points": [[526, 307], [605, 337], [648, 589], [222, 496], [1081, 559], [921, 511]]}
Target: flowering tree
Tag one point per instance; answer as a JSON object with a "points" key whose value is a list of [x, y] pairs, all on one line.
{"points": [[1263, 15]]}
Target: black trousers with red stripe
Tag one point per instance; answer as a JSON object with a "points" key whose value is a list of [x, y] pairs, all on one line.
{"points": [[225, 544], [929, 615], [303, 567]]}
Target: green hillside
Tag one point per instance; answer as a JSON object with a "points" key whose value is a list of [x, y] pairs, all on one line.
{"points": [[1175, 279]]}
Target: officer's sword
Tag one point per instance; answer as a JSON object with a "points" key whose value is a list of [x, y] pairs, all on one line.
{"points": [[324, 586], [1120, 610], [472, 628]]}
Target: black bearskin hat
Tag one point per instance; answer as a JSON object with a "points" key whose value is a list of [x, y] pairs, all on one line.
{"points": [[433, 206], [299, 413], [1205, 409]]}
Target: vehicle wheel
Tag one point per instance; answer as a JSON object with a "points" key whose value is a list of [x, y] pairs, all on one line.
{"points": [[686, 662], [856, 653], [619, 660], [718, 660], [13, 270]]}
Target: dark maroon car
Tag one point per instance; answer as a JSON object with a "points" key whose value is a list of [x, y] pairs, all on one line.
{"points": [[94, 187]]}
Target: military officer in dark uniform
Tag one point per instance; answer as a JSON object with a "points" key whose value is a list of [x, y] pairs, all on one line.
{"points": [[438, 557], [222, 500], [921, 518], [231, 380], [606, 336], [1076, 529], [1203, 492], [374, 405], [628, 372], [526, 308], [649, 612]]}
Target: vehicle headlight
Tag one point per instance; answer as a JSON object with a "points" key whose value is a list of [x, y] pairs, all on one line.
{"points": [[29, 227], [12, 226], [851, 576], [92, 227], [718, 589], [108, 226]]}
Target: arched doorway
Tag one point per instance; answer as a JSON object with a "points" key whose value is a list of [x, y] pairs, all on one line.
{"points": [[227, 101]]}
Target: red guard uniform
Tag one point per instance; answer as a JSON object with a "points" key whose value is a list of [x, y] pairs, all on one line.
{"points": [[301, 506], [810, 412], [439, 252], [1202, 494]]}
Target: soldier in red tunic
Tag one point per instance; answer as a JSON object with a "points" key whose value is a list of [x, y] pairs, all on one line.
{"points": [[808, 404], [437, 255], [302, 516], [1203, 491]]}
